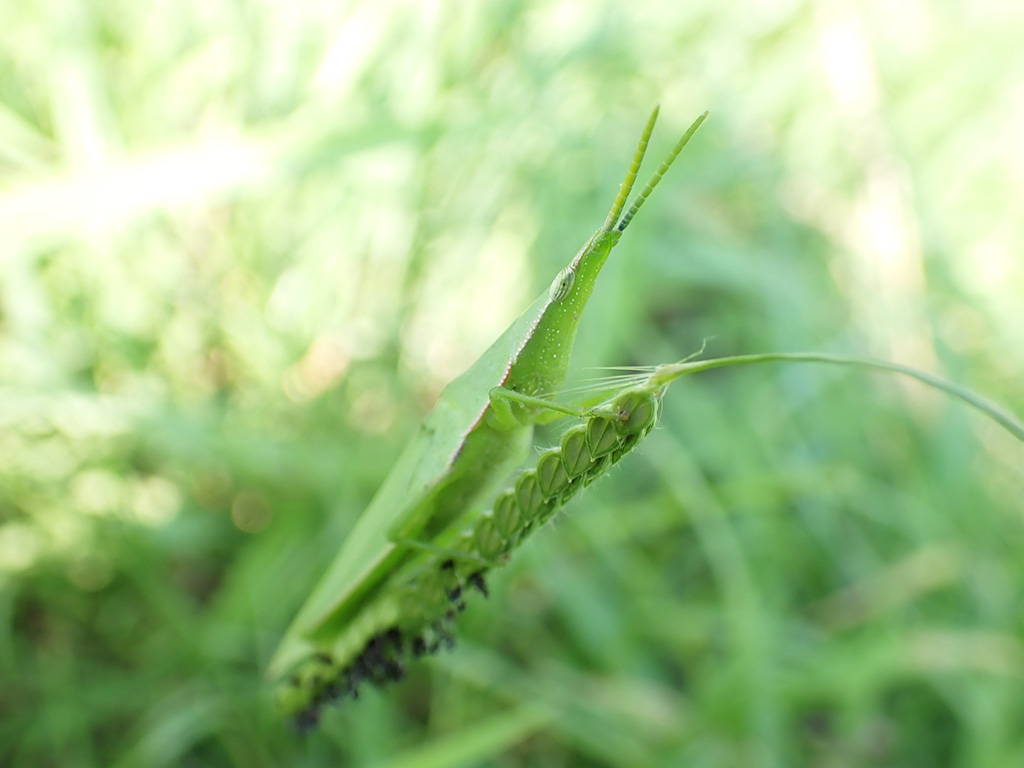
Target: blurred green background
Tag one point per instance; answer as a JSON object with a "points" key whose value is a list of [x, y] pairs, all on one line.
{"points": [[244, 244]]}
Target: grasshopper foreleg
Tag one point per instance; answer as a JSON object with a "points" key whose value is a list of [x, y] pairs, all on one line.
{"points": [[502, 401]]}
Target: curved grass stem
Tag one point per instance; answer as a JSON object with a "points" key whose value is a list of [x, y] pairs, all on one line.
{"points": [[668, 373]]}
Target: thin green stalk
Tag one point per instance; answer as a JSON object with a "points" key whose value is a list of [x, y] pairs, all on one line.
{"points": [[667, 373]]}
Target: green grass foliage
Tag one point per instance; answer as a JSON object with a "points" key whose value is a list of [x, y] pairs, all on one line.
{"points": [[244, 244]]}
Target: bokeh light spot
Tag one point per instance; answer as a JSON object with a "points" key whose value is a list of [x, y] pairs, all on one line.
{"points": [[251, 512]]}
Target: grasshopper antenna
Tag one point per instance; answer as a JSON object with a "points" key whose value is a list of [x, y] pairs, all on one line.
{"points": [[634, 168], [658, 174]]}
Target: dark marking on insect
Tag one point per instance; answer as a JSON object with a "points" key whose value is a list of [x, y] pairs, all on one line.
{"points": [[419, 646], [332, 693], [454, 593], [307, 720], [476, 579]]}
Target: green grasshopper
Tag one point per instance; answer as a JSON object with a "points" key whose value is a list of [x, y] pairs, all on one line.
{"points": [[480, 430]]}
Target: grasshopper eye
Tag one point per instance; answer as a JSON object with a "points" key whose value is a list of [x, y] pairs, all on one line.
{"points": [[562, 284]]}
